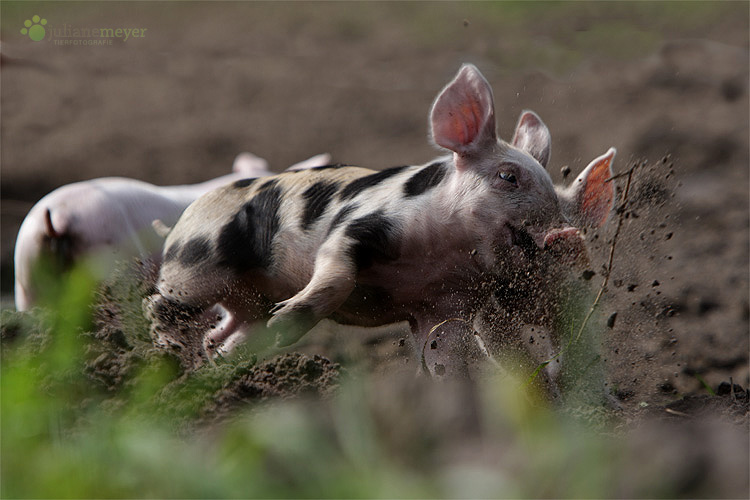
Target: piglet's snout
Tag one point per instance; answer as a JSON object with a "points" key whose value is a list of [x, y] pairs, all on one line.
{"points": [[565, 235]]}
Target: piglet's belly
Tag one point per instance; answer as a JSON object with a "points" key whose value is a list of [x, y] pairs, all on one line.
{"points": [[394, 298], [370, 305]]}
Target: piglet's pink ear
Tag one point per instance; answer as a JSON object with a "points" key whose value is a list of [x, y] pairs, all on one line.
{"points": [[590, 194], [533, 136], [463, 116]]}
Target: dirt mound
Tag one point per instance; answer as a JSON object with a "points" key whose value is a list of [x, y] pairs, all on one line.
{"points": [[287, 375]]}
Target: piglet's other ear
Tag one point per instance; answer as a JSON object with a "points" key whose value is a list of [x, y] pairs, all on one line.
{"points": [[312, 162], [533, 136], [249, 165], [591, 194], [463, 116]]}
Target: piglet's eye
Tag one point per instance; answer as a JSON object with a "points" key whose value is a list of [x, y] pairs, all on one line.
{"points": [[509, 177]]}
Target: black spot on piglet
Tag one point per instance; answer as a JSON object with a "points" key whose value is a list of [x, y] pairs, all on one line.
{"points": [[172, 252], [358, 185], [375, 238], [326, 167], [243, 183], [271, 183], [317, 197], [195, 251], [341, 216], [246, 241], [424, 180]]}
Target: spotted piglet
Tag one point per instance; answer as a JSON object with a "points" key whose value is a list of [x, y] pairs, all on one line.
{"points": [[424, 244]]}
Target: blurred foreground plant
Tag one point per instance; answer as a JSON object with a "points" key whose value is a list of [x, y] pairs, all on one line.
{"points": [[68, 434]]}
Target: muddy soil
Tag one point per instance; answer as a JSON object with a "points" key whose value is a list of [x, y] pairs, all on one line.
{"points": [[669, 90]]}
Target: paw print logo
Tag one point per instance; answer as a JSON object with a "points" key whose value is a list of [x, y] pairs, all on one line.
{"points": [[34, 28]]}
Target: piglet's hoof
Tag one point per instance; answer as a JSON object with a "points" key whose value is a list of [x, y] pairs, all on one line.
{"points": [[290, 324]]}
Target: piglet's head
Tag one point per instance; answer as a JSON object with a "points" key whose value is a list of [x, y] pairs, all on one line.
{"points": [[504, 185]]}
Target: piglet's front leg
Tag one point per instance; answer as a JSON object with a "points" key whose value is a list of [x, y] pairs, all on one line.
{"points": [[331, 284]]}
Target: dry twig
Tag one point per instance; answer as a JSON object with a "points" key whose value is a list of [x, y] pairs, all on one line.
{"points": [[620, 218]]}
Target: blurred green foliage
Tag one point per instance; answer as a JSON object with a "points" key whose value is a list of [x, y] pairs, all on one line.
{"points": [[66, 434]]}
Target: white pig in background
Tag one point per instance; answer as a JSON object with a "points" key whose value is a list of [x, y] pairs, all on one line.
{"points": [[424, 244], [102, 221]]}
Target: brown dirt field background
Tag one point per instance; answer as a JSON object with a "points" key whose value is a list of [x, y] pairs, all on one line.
{"points": [[289, 80], [286, 81]]}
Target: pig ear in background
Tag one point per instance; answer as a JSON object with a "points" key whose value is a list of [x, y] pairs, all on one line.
{"points": [[590, 197], [249, 165], [315, 161], [532, 136], [463, 116]]}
